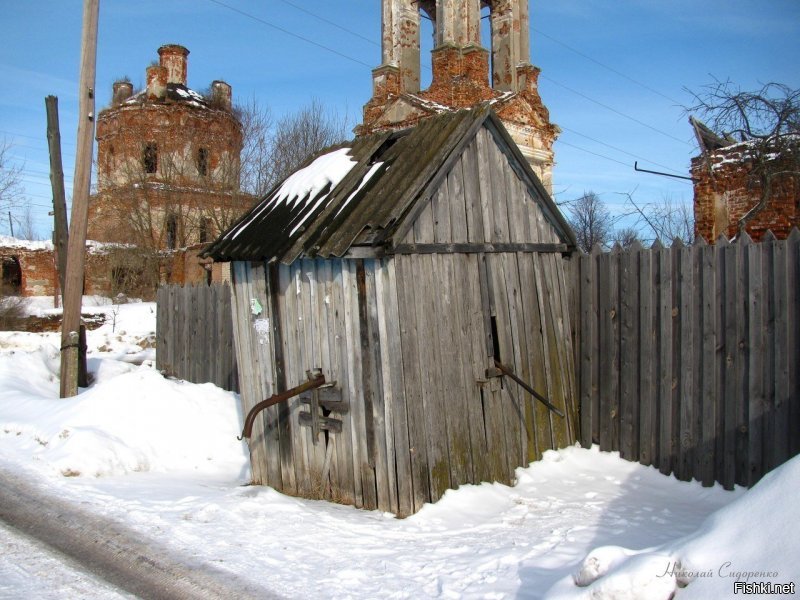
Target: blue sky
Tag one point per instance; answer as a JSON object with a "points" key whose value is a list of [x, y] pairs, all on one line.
{"points": [[614, 73]]}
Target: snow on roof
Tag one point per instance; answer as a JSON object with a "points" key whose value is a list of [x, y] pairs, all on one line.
{"points": [[305, 185]]}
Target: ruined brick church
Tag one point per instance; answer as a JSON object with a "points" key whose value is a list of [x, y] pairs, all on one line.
{"points": [[168, 182], [167, 160]]}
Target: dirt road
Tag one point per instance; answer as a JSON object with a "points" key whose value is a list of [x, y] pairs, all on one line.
{"points": [[112, 552]]}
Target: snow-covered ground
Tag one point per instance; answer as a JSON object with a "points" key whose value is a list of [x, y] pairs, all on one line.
{"points": [[162, 457]]}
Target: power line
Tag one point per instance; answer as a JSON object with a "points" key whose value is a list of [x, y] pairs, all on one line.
{"points": [[33, 137], [291, 33], [329, 22], [615, 111], [605, 66], [603, 156], [652, 162]]}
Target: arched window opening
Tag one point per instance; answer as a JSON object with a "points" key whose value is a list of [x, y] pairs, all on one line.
{"points": [[172, 232], [12, 276], [150, 158], [427, 40], [202, 162], [486, 37], [205, 230]]}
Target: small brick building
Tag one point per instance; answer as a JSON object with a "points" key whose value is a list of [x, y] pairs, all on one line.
{"points": [[461, 78], [725, 190]]}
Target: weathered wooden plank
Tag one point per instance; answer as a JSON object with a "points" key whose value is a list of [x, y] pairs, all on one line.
{"points": [[476, 361], [453, 395], [250, 384], [793, 337], [537, 351], [755, 362], [733, 392], [345, 485], [696, 260], [426, 291], [486, 194], [586, 287], [687, 400], [500, 194], [648, 412], [558, 354], [629, 353], [398, 457], [721, 256], [708, 344], [666, 379], [457, 202], [472, 193], [531, 372], [442, 232], [323, 332], [294, 344], [781, 353], [512, 413], [742, 466], [358, 427], [385, 478], [263, 360], [547, 430], [412, 379], [609, 359]]}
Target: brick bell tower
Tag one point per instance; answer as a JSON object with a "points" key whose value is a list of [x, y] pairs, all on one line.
{"points": [[461, 77]]}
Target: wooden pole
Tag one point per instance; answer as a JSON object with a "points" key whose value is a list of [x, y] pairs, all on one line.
{"points": [[76, 246], [57, 183]]}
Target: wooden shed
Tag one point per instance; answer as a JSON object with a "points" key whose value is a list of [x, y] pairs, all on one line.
{"points": [[412, 269]]}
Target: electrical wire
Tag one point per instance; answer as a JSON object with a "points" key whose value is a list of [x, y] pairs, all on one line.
{"points": [[291, 33], [605, 66]]}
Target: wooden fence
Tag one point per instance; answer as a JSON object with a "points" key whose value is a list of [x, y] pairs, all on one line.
{"points": [[194, 334], [688, 357]]}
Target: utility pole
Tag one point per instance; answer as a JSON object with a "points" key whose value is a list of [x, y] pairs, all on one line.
{"points": [[10, 224], [59, 196], [76, 246]]}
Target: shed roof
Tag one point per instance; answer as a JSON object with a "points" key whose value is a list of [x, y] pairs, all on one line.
{"points": [[362, 192]]}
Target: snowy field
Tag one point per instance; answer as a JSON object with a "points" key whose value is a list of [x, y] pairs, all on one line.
{"points": [[161, 456]]}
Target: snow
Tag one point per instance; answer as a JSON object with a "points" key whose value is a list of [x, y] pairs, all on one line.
{"points": [[307, 183], [16, 243], [161, 456]]}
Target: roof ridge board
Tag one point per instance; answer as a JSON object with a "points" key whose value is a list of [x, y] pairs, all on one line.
{"points": [[380, 207], [525, 171], [365, 147]]}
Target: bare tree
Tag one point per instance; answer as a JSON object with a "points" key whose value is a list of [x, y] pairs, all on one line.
{"points": [[26, 228], [767, 123], [626, 236], [591, 221], [10, 177], [666, 220], [257, 169], [299, 135]]}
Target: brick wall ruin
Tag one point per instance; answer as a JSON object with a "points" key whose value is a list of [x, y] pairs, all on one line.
{"points": [[724, 192]]}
